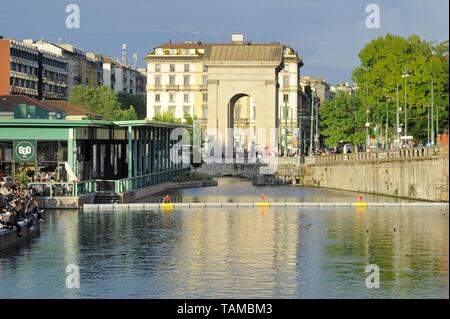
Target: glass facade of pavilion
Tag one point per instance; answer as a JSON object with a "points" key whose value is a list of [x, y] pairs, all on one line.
{"points": [[88, 156]]}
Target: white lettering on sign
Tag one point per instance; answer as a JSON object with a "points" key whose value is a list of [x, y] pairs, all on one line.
{"points": [[25, 150]]}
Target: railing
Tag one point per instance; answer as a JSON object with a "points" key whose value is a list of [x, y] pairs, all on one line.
{"points": [[65, 189], [402, 154], [132, 183], [296, 160]]}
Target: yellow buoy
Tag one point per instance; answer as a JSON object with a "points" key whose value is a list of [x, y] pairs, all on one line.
{"points": [[167, 207], [360, 204], [262, 204]]}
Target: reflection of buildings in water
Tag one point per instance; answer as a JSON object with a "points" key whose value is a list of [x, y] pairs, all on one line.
{"points": [[236, 250], [69, 221]]}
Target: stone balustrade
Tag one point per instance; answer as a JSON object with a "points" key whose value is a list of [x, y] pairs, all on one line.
{"points": [[406, 153]]}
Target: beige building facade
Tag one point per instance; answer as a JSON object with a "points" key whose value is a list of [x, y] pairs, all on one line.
{"points": [[227, 85]]}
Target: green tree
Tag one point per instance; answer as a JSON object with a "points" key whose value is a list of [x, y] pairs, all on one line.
{"points": [[382, 63], [127, 100], [101, 100], [342, 120], [195, 150], [22, 178], [165, 117]]}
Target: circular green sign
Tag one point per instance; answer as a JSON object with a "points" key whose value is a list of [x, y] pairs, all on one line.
{"points": [[24, 150]]}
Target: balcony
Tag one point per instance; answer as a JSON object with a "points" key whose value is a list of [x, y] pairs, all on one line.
{"points": [[289, 88], [171, 87]]}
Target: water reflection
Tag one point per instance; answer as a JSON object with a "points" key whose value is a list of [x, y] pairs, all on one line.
{"points": [[231, 253], [241, 253], [232, 189]]}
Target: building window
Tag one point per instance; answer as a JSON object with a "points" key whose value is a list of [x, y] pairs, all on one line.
{"points": [[186, 98], [157, 67], [285, 81], [172, 109], [172, 80], [205, 97], [52, 151], [186, 80], [157, 98], [205, 80], [186, 68], [205, 68], [286, 67], [204, 112], [171, 98], [6, 151], [157, 80], [172, 68], [285, 98]]}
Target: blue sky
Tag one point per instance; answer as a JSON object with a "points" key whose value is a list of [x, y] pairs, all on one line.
{"points": [[328, 34]]}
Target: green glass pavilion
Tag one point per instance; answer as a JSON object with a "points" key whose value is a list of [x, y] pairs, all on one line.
{"points": [[90, 155]]}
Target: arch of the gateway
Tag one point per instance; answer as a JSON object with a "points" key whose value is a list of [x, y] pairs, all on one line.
{"points": [[236, 71]]}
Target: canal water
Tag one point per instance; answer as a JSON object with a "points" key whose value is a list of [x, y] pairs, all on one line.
{"points": [[236, 253]]}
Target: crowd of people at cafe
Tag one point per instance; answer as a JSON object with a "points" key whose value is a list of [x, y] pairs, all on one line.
{"points": [[17, 206]]}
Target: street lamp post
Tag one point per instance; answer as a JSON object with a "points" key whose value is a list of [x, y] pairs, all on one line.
{"points": [[398, 121], [316, 139], [285, 115], [432, 111], [428, 125], [367, 116], [387, 125], [311, 134], [405, 76]]}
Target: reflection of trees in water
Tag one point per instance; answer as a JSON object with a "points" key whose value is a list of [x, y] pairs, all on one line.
{"points": [[124, 239], [409, 246]]}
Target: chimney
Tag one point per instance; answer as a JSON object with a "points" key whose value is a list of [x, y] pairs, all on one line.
{"points": [[237, 38]]}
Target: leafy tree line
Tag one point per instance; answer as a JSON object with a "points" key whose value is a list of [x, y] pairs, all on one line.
{"points": [[107, 103], [383, 61]]}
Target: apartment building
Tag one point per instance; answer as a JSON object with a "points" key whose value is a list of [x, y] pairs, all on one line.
{"points": [[320, 86], [177, 82], [345, 87], [26, 70], [52, 76], [123, 78], [19, 66], [82, 68]]}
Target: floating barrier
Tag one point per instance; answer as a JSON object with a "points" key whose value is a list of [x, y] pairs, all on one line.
{"points": [[259, 204], [168, 205], [360, 204], [262, 204]]}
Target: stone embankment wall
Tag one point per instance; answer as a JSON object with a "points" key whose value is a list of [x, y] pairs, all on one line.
{"points": [[421, 178]]}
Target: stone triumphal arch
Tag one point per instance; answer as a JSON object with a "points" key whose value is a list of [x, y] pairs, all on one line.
{"points": [[236, 71]]}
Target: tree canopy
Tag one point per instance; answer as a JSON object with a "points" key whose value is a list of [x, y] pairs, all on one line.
{"points": [[103, 101], [343, 120], [128, 100], [383, 61]]}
